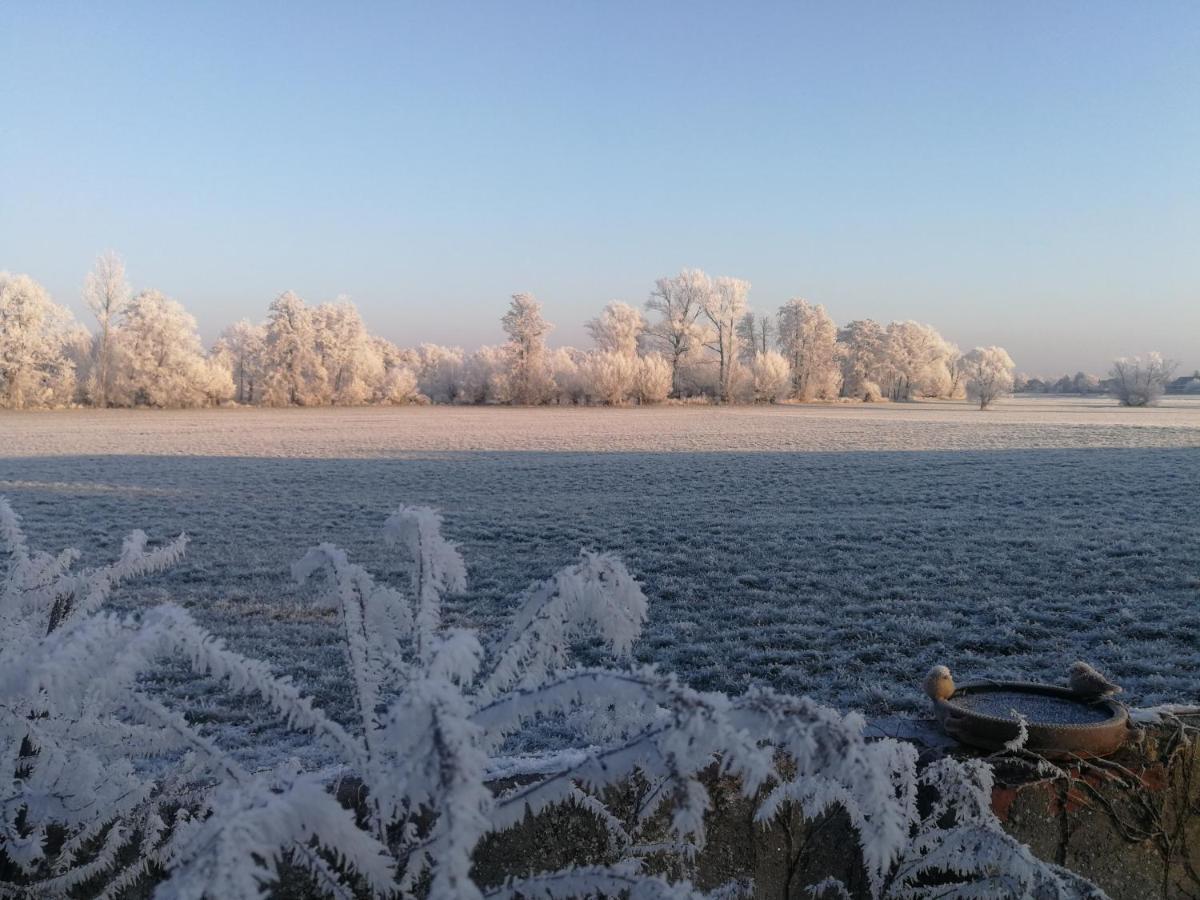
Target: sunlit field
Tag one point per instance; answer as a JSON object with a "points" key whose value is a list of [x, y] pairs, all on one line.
{"points": [[830, 550]]}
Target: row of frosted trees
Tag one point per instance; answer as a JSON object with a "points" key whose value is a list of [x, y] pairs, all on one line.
{"points": [[699, 340]]}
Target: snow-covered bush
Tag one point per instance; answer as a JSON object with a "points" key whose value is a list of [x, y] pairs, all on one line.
{"points": [[610, 377], [82, 736], [400, 386], [439, 372], [109, 787], [653, 383], [772, 377], [567, 374], [1141, 381], [485, 377]]}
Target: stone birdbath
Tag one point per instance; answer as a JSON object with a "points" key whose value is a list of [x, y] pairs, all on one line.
{"points": [[1061, 723]]}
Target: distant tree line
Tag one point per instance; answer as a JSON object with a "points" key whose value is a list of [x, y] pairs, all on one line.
{"points": [[1134, 381], [696, 338]]}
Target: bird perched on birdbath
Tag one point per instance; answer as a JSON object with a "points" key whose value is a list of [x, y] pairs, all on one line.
{"points": [[938, 684], [1087, 681]]}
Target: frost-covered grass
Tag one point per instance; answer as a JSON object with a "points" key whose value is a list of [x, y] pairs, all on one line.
{"points": [[113, 790], [1028, 422], [1017, 541]]}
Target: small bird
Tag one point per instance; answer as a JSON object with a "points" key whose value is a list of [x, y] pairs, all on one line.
{"points": [[938, 684], [1087, 681]]}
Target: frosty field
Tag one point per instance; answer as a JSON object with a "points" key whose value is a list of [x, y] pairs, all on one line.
{"points": [[836, 551]]}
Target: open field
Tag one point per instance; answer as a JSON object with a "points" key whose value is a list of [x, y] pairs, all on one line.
{"points": [[1013, 542], [372, 432]]}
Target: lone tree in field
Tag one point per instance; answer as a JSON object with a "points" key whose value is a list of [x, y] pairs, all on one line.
{"points": [[529, 371], [106, 293], [988, 374], [1140, 381]]}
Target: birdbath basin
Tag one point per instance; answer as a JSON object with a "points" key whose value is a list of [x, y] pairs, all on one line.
{"points": [[1062, 724]]}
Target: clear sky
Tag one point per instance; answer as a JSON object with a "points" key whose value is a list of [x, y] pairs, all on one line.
{"points": [[1018, 173]]}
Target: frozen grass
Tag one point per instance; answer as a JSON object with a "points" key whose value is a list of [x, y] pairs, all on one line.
{"points": [[373, 432], [1016, 542]]}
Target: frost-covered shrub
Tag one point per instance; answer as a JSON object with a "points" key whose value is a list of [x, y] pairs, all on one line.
{"points": [[399, 386], [610, 377], [81, 737], [485, 377], [107, 786], [653, 383], [567, 374], [1141, 381], [772, 377], [439, 372]]}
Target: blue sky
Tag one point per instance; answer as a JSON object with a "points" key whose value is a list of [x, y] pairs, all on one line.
{"points": [[1018, 173]]}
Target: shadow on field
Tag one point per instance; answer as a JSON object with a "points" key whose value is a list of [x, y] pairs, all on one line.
{"points": [[840, 575]]}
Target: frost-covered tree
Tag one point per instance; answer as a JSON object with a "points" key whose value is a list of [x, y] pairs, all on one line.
{"points": [[293, 375], [724, 306], [653, 381], [610, 377], [35, 338], [956, 373], [807, 339], [916, 361], [486, 376], [1141, 380], [159, 360], [528, 368], [106, 293], [679, 302], [756, 334], [1084, 383], [349, 357], [568, 372], [618, 329], [987, 374], [439, 372], [399, 386], [862, 355], [772, 377], [239, 350]]}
